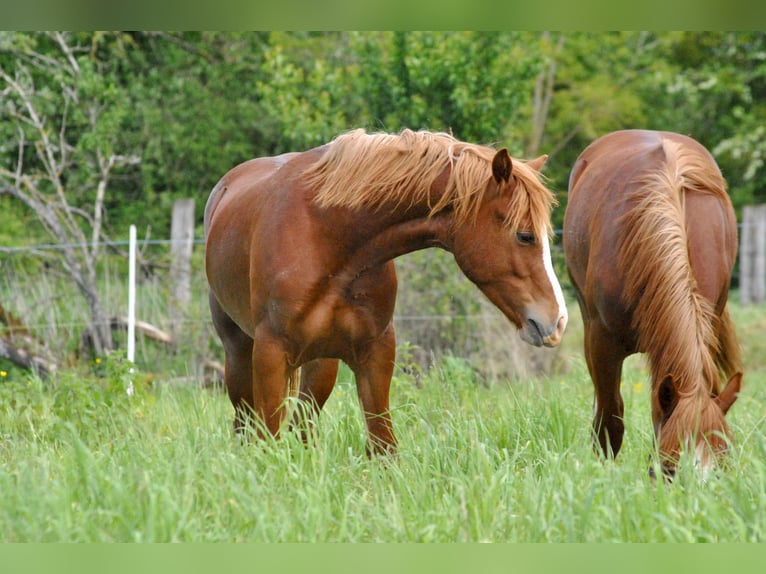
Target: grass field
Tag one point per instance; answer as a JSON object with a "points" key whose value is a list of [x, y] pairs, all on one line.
{"points": [[512, 462]]}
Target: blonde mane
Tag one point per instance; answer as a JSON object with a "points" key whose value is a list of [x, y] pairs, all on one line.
{"points": [[677, 327], [361, 170]]}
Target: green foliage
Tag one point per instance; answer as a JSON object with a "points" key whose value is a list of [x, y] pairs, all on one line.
{"points": [[317, 85], [305, 89], [19, 226], [75, 398], [712, 88], [471, 83], [191, 105]]}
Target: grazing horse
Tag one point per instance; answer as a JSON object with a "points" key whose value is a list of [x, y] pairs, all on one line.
{"points": [[299, 259], [650, 239]]}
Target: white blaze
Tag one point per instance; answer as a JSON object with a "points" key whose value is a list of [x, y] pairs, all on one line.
{"points": [[548, 263]]}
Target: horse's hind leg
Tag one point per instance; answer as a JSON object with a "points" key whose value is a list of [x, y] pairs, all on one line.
{"points": [[317, 382], [605, 357], [238, 375]]}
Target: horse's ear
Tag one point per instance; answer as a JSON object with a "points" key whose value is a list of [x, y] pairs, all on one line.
{"points": [[667, 396], [538, 163], [502, 166], [730, 393]]}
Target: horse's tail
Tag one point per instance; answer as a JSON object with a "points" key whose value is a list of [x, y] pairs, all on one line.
{"points": [[212, 200], [293, 383], [728, 354], [694, 173], [672, 319]]}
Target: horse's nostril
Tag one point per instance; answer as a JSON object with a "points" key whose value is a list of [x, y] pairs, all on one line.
{"points": [[536, 327]]}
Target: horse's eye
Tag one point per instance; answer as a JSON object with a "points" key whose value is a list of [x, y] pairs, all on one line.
{"points": [[525, 237]]}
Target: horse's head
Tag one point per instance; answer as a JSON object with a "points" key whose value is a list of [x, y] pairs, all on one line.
{"points": [[505, 251], [692, 423]]}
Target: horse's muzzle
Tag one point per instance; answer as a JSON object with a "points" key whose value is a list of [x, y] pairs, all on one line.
{"points": [[535, 333]]}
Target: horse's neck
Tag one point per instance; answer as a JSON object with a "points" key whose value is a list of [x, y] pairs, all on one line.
{"points": [[392, 237], [379, 233]]}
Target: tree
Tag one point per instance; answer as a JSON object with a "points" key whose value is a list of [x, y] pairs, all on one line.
{"points": [[586, 89], [60, 114], [194, 112], [713, 88]]}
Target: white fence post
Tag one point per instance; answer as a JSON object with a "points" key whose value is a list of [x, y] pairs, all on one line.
{"points": [[132, 303], [752, 255], [181, 247]]}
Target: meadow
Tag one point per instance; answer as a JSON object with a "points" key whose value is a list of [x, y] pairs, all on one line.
{"points": [[507, 461]]}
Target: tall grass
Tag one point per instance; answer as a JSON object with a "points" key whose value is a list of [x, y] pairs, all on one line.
{"points": [[82, 461]]}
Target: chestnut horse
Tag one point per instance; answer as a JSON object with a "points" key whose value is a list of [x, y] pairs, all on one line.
{"points": [[650, 239], [299, 261]]}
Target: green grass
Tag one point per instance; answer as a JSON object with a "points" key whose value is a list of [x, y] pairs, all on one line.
{"points": [[81, 461]]}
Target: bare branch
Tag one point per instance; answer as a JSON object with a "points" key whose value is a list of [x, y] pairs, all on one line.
{"points": [[543, 95], [151, 331], [59, 37], [63, 146], [105, 167], [564, 141], [20, 161]]}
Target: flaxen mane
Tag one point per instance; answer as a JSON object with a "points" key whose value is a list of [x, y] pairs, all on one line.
{"points": [[375, 170], [677, 327]]}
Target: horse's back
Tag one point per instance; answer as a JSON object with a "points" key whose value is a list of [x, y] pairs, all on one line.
{"points": [[611, 172], [606, 180], [247, 177], [608, 159]]}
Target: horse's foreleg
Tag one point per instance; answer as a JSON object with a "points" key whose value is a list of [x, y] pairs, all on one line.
{"points": [[605, 357], [317, 382], [373, 373]]}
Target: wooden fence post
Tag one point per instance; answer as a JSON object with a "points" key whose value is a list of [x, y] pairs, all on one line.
{"points": [[181, 246], [752, 255]]}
